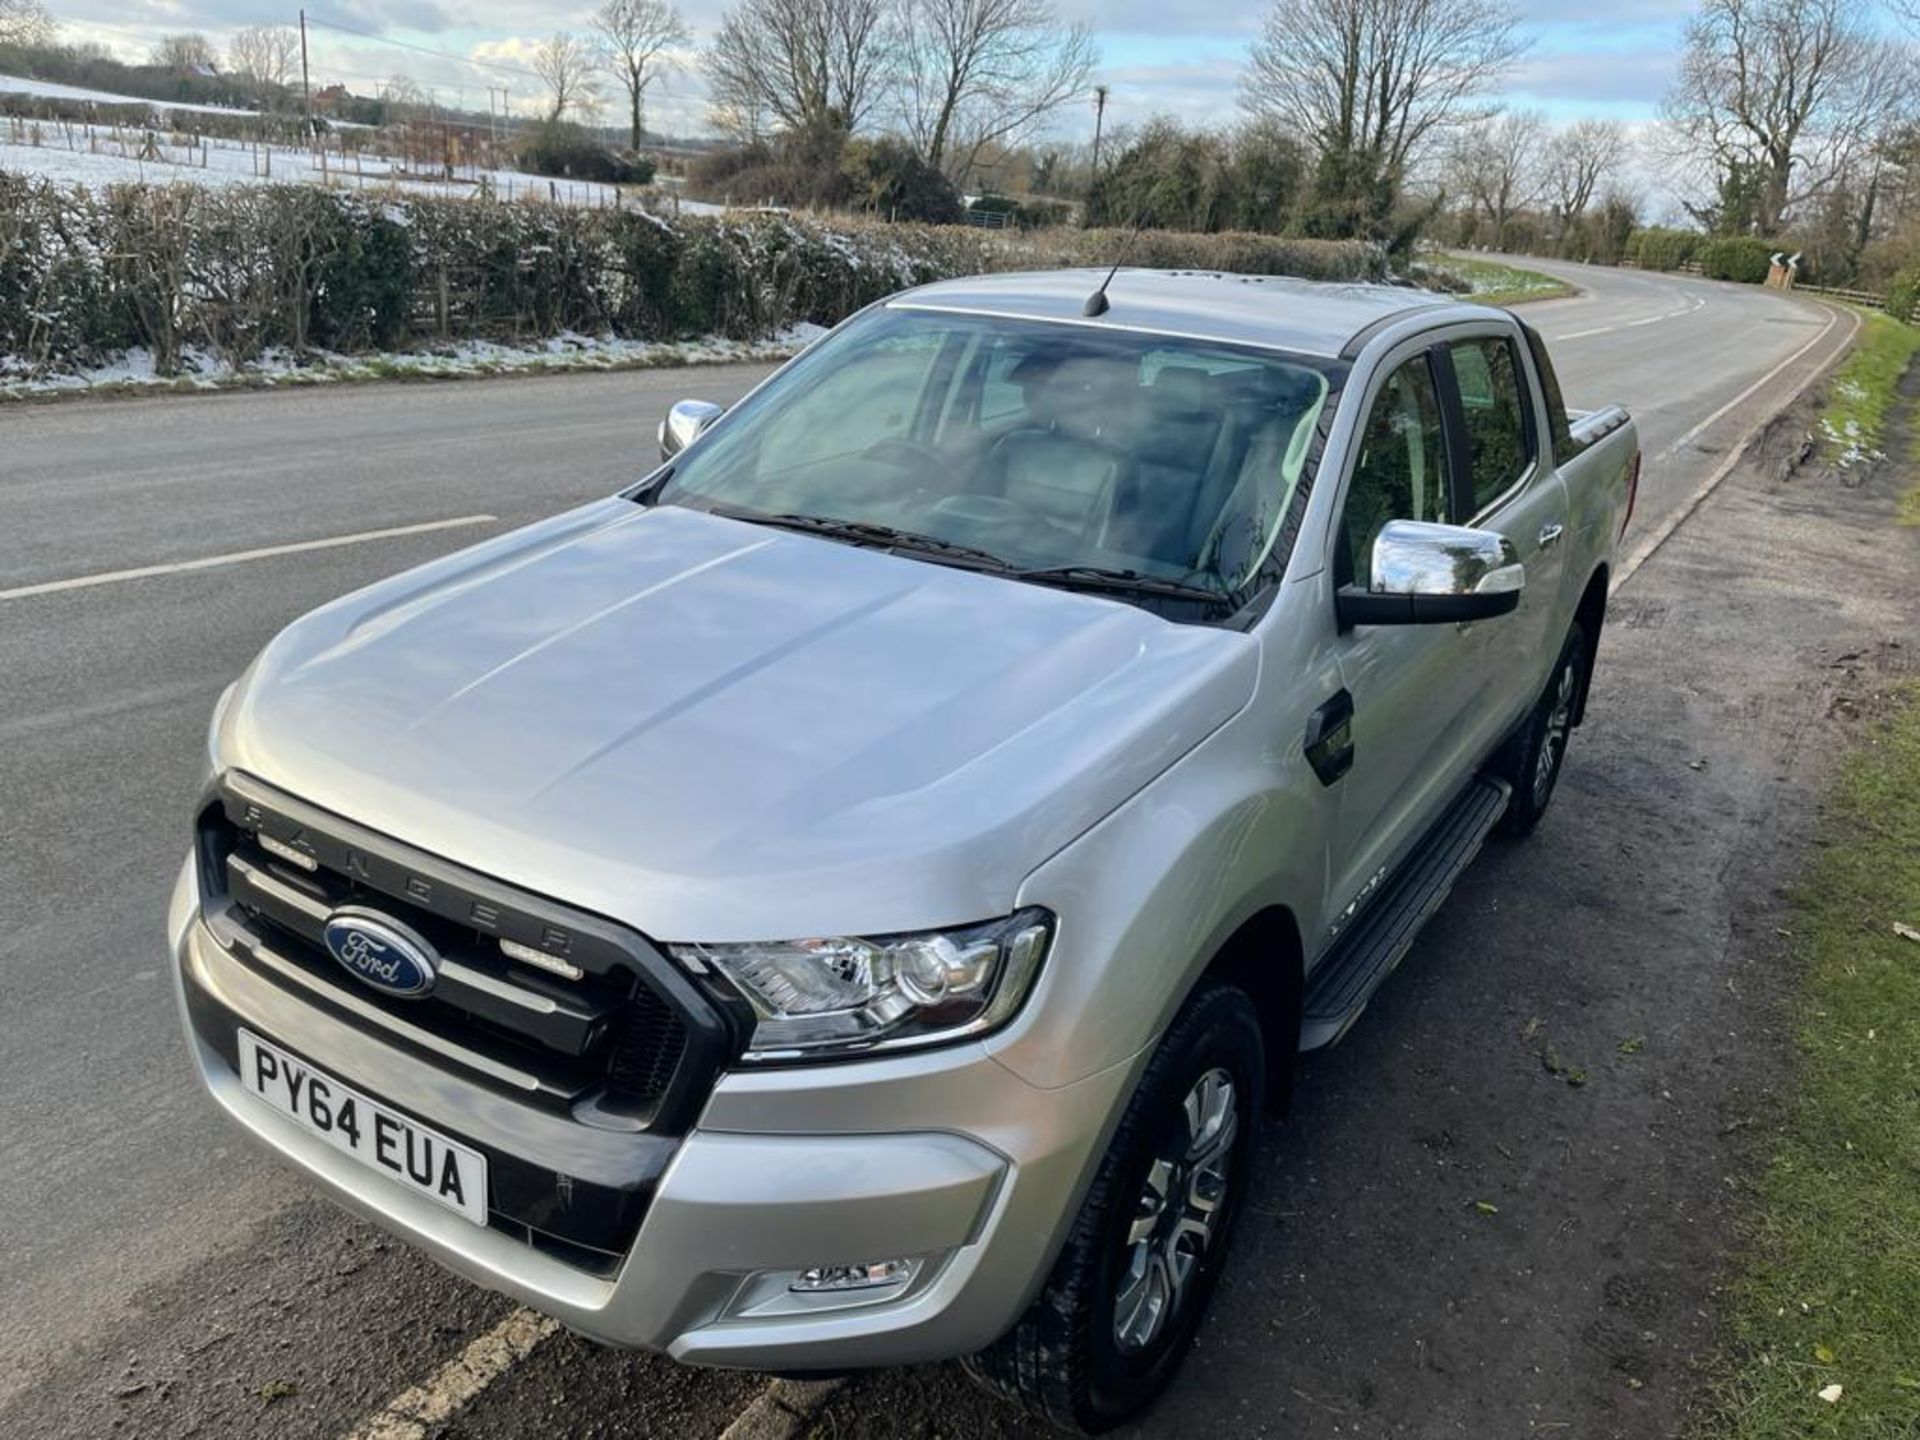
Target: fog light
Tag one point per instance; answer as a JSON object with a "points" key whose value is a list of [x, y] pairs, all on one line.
{"points": [[286, 852], [527, 955], [872, 1275]]}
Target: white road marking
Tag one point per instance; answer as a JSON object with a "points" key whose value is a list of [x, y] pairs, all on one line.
{"points": [[1675, 519], [413, 1413], [1675, 446], [237, 557], [1694, 303], [781, 1411]]}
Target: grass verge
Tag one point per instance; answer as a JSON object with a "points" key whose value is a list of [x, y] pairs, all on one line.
{"points": [[1494, 282], [472, 360], [1824, 1313], [1851, 426]]}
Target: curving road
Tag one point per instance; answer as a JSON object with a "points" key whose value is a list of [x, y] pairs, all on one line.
{"points": [[155, 1274]]}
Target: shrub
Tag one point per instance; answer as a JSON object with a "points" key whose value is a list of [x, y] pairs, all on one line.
{"points": [[1656, 248], [711, 174], [566, 152], [1745, 258], [788, 184], [1903, 296], [889, 178]]}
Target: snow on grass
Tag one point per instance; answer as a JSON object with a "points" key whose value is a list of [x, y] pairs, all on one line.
{"points": [[1494, 282], [97, 155], [133, 371], [49, 90], [1853, 417]]}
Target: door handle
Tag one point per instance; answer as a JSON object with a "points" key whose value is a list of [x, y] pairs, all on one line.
{"points": [[1550, 534], [1329, 739]]}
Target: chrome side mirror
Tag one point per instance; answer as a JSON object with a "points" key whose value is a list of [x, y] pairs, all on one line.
{"points": [[684, 424], [1427, 574]]}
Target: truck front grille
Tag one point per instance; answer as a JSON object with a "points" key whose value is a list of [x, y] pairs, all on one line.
{"points": [[618, 1038]]}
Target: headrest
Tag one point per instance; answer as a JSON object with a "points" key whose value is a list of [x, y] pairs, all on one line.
{"points": [[1183, 387]]}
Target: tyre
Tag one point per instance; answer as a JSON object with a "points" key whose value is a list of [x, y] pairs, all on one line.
{"points": [[1536, 754], [1123, 1300]]}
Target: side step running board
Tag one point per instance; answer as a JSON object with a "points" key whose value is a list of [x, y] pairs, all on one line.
{"points": [[1345, 980]]}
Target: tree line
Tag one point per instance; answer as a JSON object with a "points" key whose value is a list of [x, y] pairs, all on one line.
{"points": [[1790, 122]]}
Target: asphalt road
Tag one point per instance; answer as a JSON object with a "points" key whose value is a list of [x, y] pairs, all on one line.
{"points": [[138, 1230]]}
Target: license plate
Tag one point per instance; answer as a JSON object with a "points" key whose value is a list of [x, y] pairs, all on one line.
{"points": [[421, 1159]]}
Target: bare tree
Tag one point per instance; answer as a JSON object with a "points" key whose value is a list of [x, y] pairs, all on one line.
{"points": [[741, 119], [1368, 83], [632, 36], [25, 22], [565, 63], [183, 54], [986, 72], [1496, 165], [816, 67], [1577, 160], [1790, 91], [265, 56], [403, 96]]}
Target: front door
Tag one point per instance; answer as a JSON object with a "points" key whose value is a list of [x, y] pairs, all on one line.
{"points": [[1408, 685]]}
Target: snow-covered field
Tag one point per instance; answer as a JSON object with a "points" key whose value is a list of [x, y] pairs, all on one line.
{"points": [[20, 85], [106, 155], [203, 371], [97, 155]]}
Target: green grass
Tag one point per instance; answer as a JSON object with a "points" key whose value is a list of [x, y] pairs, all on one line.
{"points": [[1851, 426], [1828, 1287], [1494, 282]]}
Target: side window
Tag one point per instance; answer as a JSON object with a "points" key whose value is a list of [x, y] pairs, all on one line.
{"points": [[1490, 400], [1564, 448], [1402, 470], [1000, 395]]}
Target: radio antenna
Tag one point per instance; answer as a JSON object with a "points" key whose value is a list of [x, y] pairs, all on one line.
{"points": [[1097, 303]]}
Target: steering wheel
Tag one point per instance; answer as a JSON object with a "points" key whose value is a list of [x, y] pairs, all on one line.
{"points": [[921, 461]]}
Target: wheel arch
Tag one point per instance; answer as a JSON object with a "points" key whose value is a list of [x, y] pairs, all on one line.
{"points": [[1264, 958], [1590, 614]]}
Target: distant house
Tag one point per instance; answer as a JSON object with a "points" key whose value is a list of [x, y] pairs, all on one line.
{"points": [[331, 98]]}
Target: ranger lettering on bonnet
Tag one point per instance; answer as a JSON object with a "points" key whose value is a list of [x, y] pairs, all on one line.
{"points": [[854, 897]]}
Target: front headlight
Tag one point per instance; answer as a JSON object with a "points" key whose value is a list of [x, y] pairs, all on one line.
{"points": [[814, 999]]}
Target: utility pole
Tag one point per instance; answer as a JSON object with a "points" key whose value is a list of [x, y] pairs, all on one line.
{"points": [[1099, 118], [306, 84]]}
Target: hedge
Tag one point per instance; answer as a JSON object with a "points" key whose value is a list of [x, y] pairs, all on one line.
{"points": [[1656, 248], [1745, 258], [1903, 296], [86, 275]]}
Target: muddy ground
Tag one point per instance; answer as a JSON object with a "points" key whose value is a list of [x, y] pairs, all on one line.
{"points": [[1586, 1039]]}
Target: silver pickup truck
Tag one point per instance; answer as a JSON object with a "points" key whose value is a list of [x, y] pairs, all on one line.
{"points": [[852, 898]]}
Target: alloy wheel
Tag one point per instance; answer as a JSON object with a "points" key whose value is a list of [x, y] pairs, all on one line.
{"points": [[1553, 744], [1177, 1213]]}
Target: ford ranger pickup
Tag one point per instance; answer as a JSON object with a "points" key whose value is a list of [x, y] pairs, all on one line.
{"points": [[852, 898]]}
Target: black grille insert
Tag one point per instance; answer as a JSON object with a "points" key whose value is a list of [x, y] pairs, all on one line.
{"points": [[623, 1041]]}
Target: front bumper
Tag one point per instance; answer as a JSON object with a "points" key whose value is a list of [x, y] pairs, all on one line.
{"points": [[946, 1157]]}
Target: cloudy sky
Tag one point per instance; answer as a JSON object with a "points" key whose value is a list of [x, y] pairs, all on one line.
{"points": [[1179, 57]]}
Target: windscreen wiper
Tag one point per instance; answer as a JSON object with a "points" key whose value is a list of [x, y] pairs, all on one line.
{"points": [[867, 532], [1100, 580]]}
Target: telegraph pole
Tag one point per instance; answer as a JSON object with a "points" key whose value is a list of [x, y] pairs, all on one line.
{"points": [[306, 84], [1099, 117]]}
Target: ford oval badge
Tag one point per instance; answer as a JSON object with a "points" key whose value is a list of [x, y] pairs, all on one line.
{"points": [[380, 952]]}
